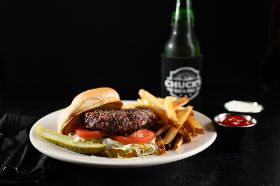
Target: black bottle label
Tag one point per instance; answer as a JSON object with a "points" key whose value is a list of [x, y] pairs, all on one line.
{"points": [[181, 77]]}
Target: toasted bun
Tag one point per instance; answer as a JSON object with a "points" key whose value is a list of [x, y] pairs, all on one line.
{"points": [[98, 98]]}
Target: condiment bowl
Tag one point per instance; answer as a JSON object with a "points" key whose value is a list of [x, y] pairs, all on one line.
{"points": [[234, 138], [243, 106], [221, 117]]}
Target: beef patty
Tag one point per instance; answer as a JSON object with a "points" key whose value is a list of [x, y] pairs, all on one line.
{"points": [[124, 121]]}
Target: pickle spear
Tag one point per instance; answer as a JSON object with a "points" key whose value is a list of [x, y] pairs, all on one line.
{"points": [[83, 147]]}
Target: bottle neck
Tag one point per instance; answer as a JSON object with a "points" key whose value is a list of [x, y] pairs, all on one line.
{"points": [[182, 19], [182, 42]]}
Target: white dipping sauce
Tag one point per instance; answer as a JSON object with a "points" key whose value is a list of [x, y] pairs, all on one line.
{"points": [[243, 106]]}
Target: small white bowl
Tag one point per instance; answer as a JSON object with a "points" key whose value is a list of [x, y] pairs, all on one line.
{"points": [[243, 106]]}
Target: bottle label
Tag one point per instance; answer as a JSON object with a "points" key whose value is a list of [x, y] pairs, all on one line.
{"points": [[181, 77]]}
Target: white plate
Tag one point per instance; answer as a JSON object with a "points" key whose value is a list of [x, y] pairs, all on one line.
{"points": [[199, 143]]}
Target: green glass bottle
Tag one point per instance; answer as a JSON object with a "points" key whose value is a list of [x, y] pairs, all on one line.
{"points": [[181, 60]]}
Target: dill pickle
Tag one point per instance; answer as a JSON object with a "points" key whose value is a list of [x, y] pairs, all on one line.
{"points": [[83, 147]]}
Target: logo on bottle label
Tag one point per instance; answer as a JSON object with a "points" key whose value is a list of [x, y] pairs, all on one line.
{"points": [[184, 81]]}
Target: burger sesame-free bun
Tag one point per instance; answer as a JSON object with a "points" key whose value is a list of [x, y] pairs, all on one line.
{"points": [[101, 98]]}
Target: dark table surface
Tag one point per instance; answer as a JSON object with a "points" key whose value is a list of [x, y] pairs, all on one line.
{"points": [[258, 164]]}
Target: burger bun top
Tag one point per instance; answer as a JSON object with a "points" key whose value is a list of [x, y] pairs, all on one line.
{"points": [[98, 98]]}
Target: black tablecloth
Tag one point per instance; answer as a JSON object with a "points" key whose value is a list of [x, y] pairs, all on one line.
{"points": [[258, 164]]}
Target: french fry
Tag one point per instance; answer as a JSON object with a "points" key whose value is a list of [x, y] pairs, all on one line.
{"points": [[170, 135], [161, 99], [182, 117], [151, 98], [140, 101], [189, 128], [168, 146], [131, 105], [195, 125], [161, 148], [186, 135], [158, 111], [145, 102], [180, 102], [171, 114], [162, 129], [178, 142], [171, 98], [178, 123], [184, 114]]}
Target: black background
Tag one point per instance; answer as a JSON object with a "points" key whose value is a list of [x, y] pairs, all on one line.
{"points": [[54, 51], [51, 52]]}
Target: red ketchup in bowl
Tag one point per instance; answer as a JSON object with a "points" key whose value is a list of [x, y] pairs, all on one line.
{"points": [[236, 120]]}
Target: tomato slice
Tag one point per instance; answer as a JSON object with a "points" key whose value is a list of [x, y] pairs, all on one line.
{"points": [[141, 136], [90, 134]]}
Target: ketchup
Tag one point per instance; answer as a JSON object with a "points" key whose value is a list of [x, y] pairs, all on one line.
{"points": [[234, 120]]}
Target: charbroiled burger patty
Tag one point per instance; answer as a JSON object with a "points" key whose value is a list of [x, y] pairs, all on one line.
{"points": [[119, 122]]}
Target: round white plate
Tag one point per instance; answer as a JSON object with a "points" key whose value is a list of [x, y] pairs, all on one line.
{"points": [[199, 143]]}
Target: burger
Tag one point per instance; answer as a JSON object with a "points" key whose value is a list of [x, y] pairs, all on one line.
{"points": [[96, 116]]}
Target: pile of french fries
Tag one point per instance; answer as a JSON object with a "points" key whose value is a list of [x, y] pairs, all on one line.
{"points": [[178, 124]]}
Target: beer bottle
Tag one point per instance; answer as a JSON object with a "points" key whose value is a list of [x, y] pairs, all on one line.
{"points": [[181, 59]]}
